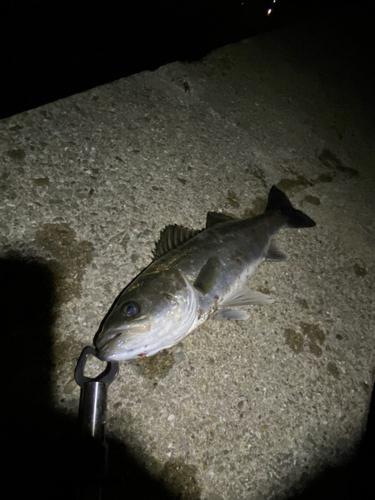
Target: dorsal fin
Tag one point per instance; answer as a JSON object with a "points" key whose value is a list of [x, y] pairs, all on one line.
{"points": [[214, 218], [172, 237]]}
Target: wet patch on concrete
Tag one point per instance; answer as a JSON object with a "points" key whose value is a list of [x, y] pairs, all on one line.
{"points": [[315, 349], [312, 199], [313, 332], [293, 186], [67, 257], [315, 335], [303, 303], [233, 200], [333, 370], [294, 340], [157, 366], [359, 270], [16, 154], [180, 479], [41, 181], [330, 160]]}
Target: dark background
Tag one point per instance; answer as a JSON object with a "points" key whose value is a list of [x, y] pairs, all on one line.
{"points": [[52, 49]]}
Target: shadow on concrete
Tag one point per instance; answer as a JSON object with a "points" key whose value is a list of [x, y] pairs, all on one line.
{"points": [[40, 446]]}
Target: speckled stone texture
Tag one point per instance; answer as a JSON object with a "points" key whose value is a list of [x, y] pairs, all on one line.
{"points": [[243, 410]]}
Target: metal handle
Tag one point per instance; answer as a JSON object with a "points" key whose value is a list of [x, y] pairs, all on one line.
{"points": [[91, 416]]}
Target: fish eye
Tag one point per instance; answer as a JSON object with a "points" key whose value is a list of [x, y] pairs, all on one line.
{"points": [[131, 309]]}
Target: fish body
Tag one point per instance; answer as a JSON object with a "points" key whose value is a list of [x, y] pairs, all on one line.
{"points": [[195, 275]]}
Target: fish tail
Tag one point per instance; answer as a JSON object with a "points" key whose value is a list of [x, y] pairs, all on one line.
{"points": [[278, 201]]}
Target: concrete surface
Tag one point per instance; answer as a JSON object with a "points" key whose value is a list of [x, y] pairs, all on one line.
{"points": [[245, 410]]}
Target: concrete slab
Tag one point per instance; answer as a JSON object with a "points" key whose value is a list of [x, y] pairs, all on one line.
{"points": [[245, 410]]}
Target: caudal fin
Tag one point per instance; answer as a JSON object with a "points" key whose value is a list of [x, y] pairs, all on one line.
{"points": [[277, 200]]}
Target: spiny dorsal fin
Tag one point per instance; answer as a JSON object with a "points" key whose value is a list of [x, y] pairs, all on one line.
{"points": [[214, 218], [172, 237]]}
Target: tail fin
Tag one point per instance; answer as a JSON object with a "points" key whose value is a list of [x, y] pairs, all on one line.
{"points": [[277, 200]]}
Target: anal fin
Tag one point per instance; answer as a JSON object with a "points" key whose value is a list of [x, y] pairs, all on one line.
{"points": [[228, 314], [274, 254]]}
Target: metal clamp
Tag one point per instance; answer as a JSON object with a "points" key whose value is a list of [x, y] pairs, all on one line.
{"points": [[107, 376], [91, 416]]}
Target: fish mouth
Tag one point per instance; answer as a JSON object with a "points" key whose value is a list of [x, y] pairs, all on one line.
{"points": [[115, 341]]}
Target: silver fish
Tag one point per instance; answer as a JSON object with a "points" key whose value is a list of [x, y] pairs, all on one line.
{"points": [[195, 275]]}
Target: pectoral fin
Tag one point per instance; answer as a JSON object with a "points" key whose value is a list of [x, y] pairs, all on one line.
{"points": [[227, 314], [208, 276], [245, 297], [240, 298]]}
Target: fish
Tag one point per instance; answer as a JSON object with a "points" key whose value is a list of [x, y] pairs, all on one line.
{"points": [[195, 275]]}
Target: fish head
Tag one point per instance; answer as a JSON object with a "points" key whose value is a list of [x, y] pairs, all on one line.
{"points": [[153, 313]]}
